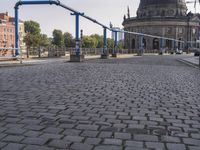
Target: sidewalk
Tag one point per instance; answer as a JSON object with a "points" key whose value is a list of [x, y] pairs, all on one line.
{"points": [[194, 61], [34, 61]]}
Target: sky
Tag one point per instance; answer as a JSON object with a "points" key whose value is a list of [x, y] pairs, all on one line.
{"points": [[53, 17]]}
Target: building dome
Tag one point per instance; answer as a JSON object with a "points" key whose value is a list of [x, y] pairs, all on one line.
{"points": [[161, 8]]}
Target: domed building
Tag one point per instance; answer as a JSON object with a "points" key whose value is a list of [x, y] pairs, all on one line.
{"points": [[164, 18]]}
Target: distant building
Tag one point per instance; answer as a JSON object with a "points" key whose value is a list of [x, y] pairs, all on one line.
{"points": [[22, 44], [165, 18], [7, 34]]}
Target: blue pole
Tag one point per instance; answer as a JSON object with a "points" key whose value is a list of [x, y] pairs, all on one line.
{"points": [[141, 42], [105, 41], [115, 49], [161, 44], [16, 31], [141, 48], [77, 35]]}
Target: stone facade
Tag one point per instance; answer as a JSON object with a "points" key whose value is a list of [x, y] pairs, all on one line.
{"points": [[165, 18]]}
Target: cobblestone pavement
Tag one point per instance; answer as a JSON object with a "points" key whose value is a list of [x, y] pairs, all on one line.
{"points": [[144, 103]]}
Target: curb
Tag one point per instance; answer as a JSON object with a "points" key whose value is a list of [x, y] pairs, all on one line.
{"points": [[189, 63]]}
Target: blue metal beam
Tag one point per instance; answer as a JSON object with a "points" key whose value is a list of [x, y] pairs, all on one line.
{"points": [[115, 47], [141, 44], [17, 31], [105, 41], [77, 48]]}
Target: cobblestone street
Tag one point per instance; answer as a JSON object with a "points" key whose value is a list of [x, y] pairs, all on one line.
{"points": [[139, 103]]}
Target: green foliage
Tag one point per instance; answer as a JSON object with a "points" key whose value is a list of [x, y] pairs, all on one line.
{"points": [[99, 40], [31, 40], [69, 41], [121, 44], [110, 43], [58, 38], [89, 42], [32, 27], [44, 40], [32, 30]]}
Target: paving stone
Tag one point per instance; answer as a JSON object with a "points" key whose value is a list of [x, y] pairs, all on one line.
{"points": [[73, 132], [74, 138], [172, 146], [34, 127], [108, 147], [134, 144], [81, 146], [2, 144], [60, 143], [35, 147], [135, 148], [32, 133], [35, 141], [13, 146], [2, 135], [105, 134], [191, 141], [53, 130], [123, 136], [170, 139], [87, 127], [194, 148], [90, 133], [144, 137], [155, 145], [15, 131], [195, 135], [13, 138], [112, 141], [51, 136], [93, 141]]}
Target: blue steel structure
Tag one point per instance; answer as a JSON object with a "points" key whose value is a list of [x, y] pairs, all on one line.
{"points": [[104, 41], [58, 3], [115, 43], [141, 49], [174, 45], [161, 45]]}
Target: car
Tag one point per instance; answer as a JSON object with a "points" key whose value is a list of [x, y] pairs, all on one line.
{"points": [[197, 53]]}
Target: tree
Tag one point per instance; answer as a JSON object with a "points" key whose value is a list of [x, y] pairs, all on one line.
{"points": [[121, 44], [44, 42], [58, 38], [32, 37], [69, 41], [99, 40], [110, 43], [32, 27], [89, 42]]}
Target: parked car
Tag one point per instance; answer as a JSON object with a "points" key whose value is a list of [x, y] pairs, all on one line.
{"points": [[197, 53]]}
